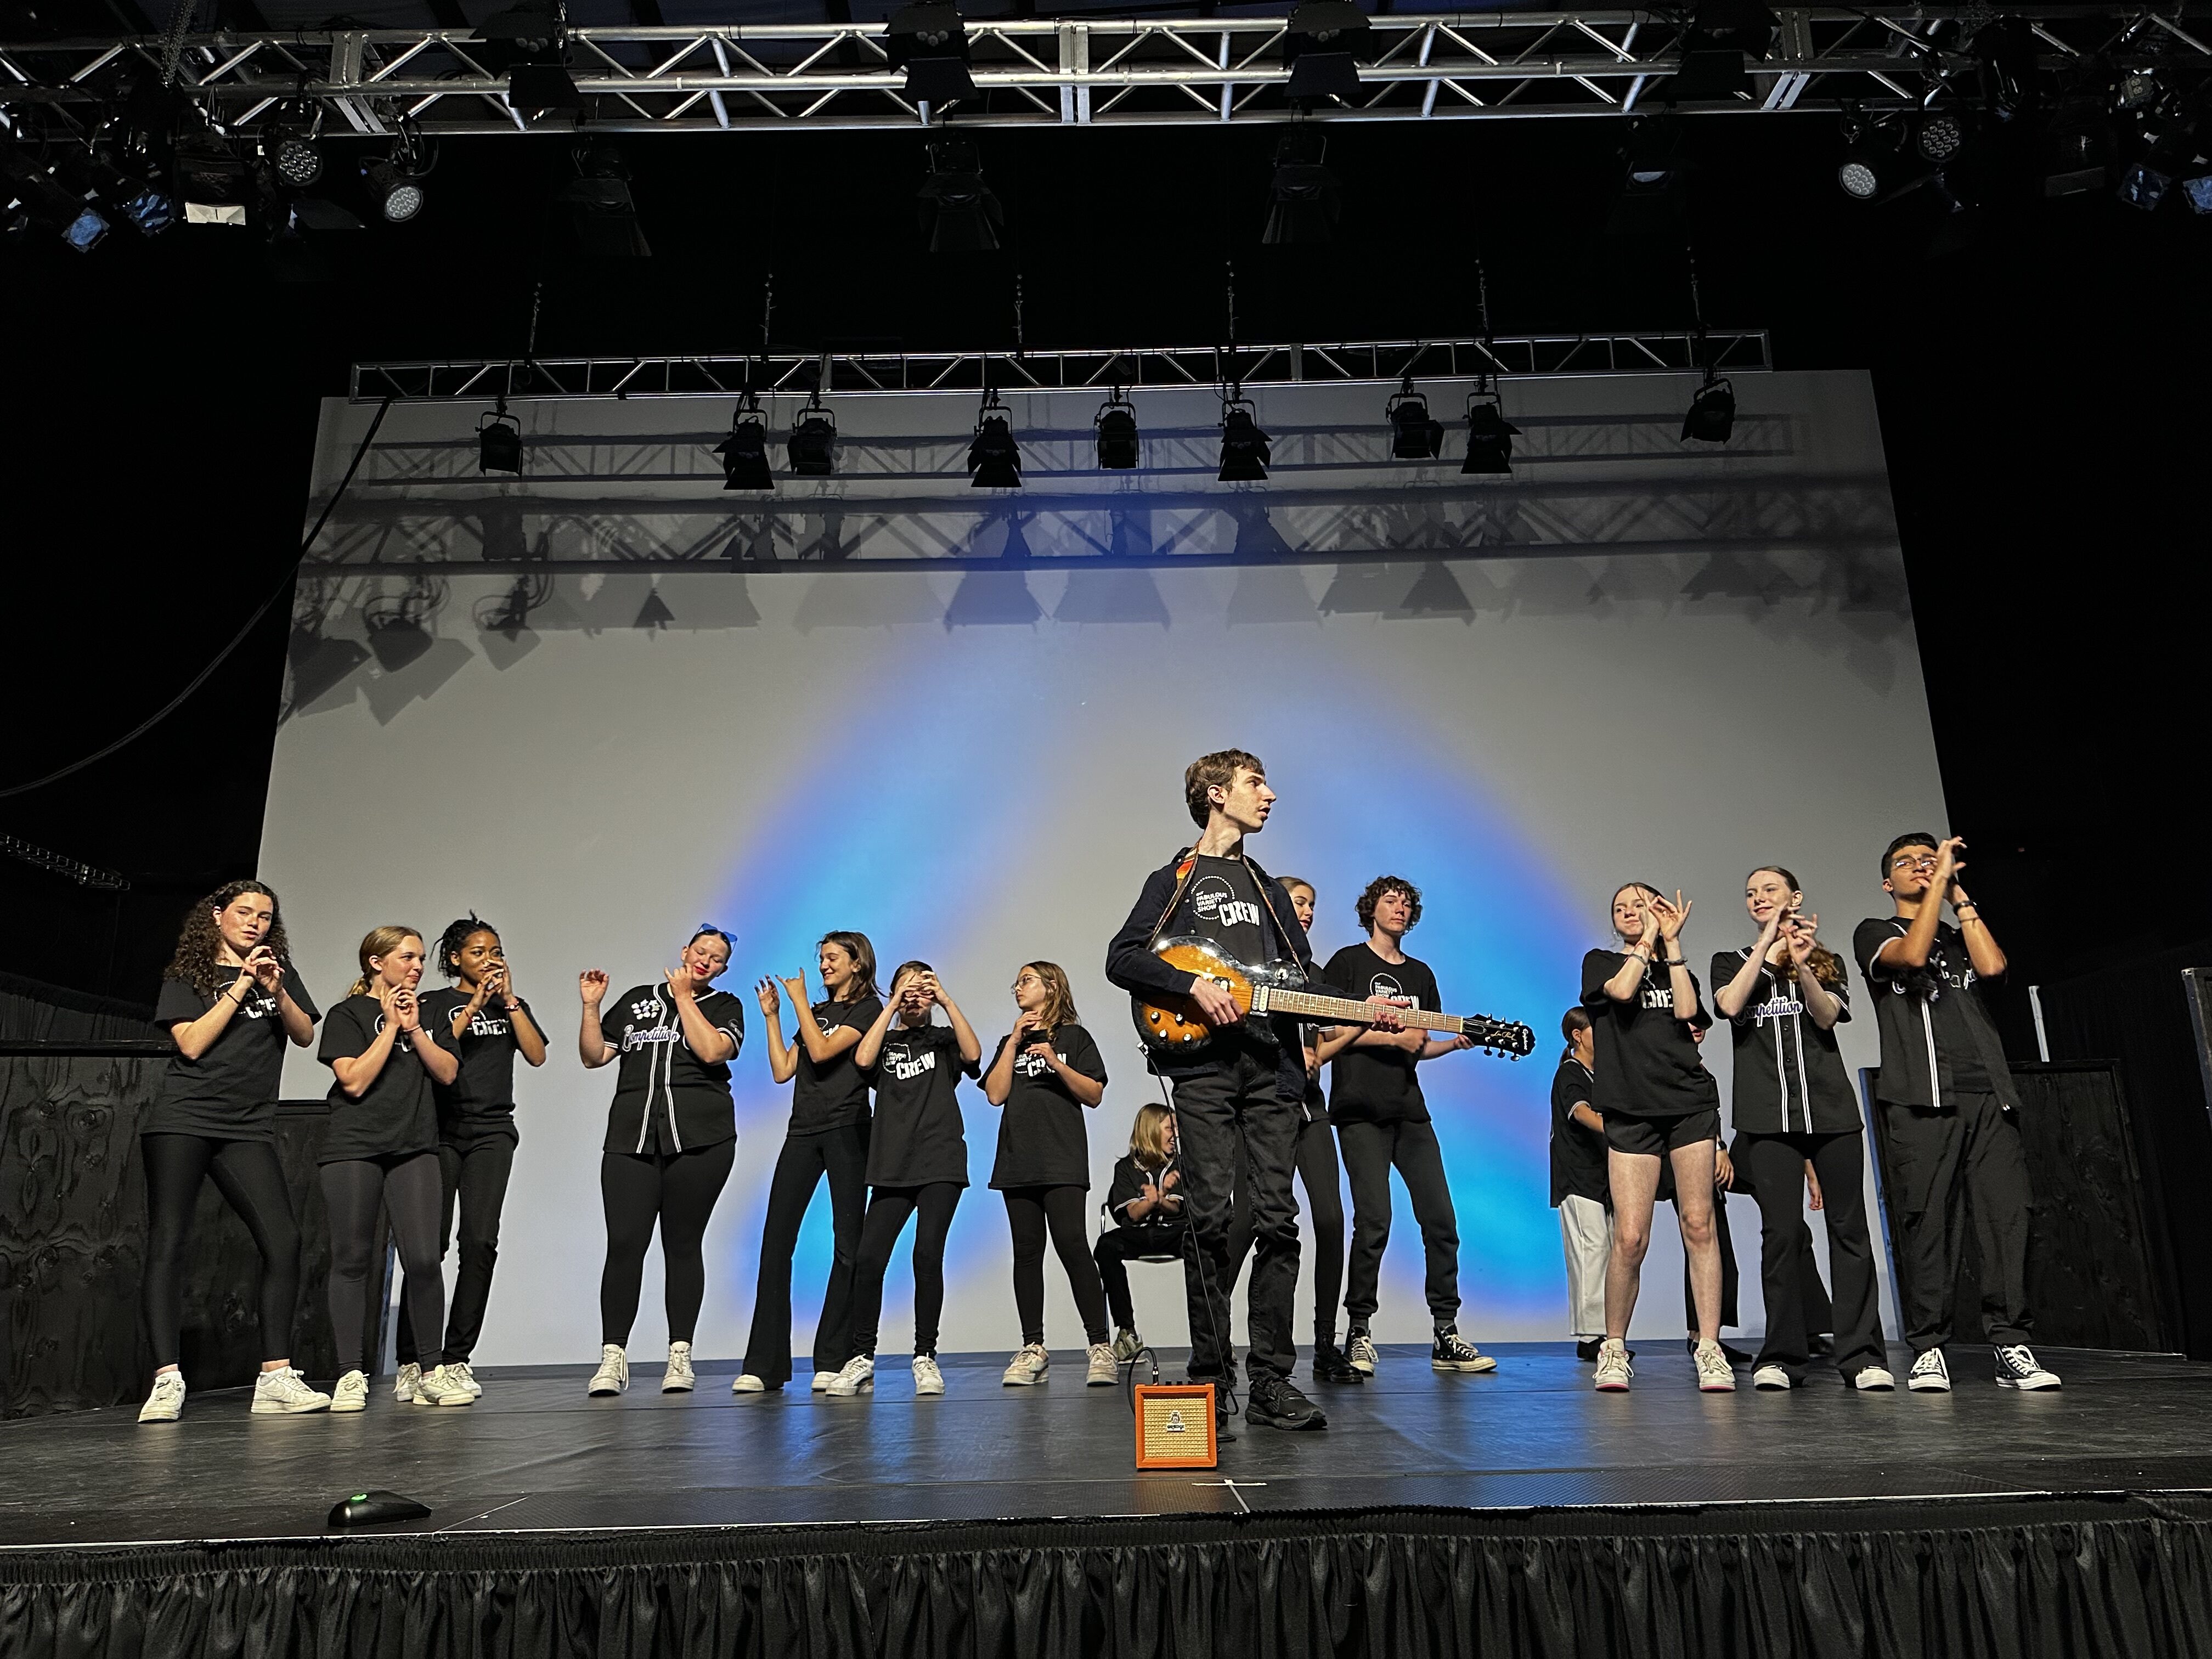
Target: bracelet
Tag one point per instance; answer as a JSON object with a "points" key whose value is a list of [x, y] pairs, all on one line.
{"points": [[1677, 961]]}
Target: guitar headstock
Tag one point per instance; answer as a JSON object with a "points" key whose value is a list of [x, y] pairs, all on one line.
{"points": [[1511, 1038]]}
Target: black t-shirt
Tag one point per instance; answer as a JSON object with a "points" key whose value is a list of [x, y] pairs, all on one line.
{"points": [[1378, 1085], [1578, 1160], [1042, 1139], [397, 1113], [229, 1093], [1223, 904], [1647, 1060], [1789, 1075], [918, 1136], [1937, 1039], [480, 1100], [666, 1098], [835, 1094], [1130, 1179]]}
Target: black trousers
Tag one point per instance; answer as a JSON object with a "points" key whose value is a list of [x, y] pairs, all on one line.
{"points": [[888, 1210], [675, 1191], [1371, 1150], [1776, 1167], [1117, 1248], [1250, 1094], [476, 1174], [251, 1181], [1063, 1213], [1318, 1174], [1941, 1161], [407, 1189], [841, 1156]]}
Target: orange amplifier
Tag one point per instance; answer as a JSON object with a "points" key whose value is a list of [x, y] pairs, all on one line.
{"points": [[1174, 1425]]}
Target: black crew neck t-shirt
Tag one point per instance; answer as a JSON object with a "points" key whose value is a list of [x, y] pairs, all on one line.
{"points": [[919, 1137], [1043, 1141], [1578, 1160], [1648, 1064], [229, 1093], [668, 1100], [398, 1114], [1937, 1039], [1378, 1085], [480, 1100], [834, 1095], [1789, 1075], [1130, 1179]]}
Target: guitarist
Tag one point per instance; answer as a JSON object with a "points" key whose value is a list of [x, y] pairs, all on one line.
{"points": [[1250, 1076]]}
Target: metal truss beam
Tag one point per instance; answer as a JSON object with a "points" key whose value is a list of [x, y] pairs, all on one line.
{"points": [[876, 373], [1048, 72]]}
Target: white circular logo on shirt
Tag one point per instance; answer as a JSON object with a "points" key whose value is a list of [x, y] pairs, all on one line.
{"points": [[1383, 986]]}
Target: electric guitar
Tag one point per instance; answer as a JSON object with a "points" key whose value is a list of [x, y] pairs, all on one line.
{"points": [[1278, 988]]}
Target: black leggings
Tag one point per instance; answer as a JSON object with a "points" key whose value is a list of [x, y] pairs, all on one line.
{"points": [[678, 1190], [475, 1174], [1031, 1210], [887, 1214], [1317, 1174], [1118, 1246], [251, 1181], [408, 1188], [841, 1155]]}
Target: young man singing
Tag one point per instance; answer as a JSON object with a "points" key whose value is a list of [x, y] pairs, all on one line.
{"points": [[1947, 1099], [1247, 1076]]}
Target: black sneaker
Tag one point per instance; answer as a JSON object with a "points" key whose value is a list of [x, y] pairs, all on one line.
{"points": [[1329, 1365], [1587, 1351], [1223, 1417], [1274, 1403]]}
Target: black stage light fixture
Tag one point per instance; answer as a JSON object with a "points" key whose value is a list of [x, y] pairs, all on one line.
{"points": [[1323, 45], [395, 183], [499, 442], [2145, 183], [288, 144], [1723, 39], [2198, 191], [210, 180], [745, 451], [601, 214], [958, 213], [1245, 450], [2005, 49], [531, 27], [1490, 436], [1654, 179], [813, 445], [1302, 197], [536, 90], [1115, 424], [995, 460], [930, 42], [47, 202], [2134, 85], [1413, 436], [1940, 136], [1711, 414]]}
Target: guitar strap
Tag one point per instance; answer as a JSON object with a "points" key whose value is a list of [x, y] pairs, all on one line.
{"points": [[1186, 866]]}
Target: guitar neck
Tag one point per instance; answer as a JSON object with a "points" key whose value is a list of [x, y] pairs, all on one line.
{"points": [[1345, 1012]]}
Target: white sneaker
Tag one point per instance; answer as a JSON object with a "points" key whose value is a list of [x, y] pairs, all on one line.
{"points": [[678, 1378], [350, 1393], [1873, 1379], [166, 1403], [1772, 1378], [927, 1379], [1104, 1370], [1930, 1374], [1360, 1351], [1127, 1345], [1027, 1367], [613, 1374], [859, 1376], [1613, 1370], [748, 1384], [460, 1372], [823, 1380], [281, 1394], [1714, 1376], [2018, 1368], [441, 1388], [404, 1385]]}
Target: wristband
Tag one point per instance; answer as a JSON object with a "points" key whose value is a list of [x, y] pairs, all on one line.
{"points": [[1677, 961]]}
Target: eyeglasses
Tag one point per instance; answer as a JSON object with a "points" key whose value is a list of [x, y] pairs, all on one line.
{"points": [[1913, 861]]}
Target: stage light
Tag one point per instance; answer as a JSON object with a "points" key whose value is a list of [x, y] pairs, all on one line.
{"points": [[288, 144], [1860, 175], [149, 212], [539, 89], [1653, 176], [2199, 192], [601, 212], [1115, 424], [1245, 450], [2135, 87], [1490, 436], [930, 43], [210, 180], [1711, 414], [45, 203], [499, 442], [745, 451], [530, 27], [1723, 37], [1302, 198], [1413, 436], [959, 213], [2145, 183], [993, 460], [1323, 45], [813, 444], [2005, 48], [395, 184], [1940, 136]]}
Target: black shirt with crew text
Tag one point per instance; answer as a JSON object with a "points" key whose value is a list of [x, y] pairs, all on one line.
{"points": [[1937, 1039], [1371, 1085], [1128, 1184], [833, 1095], [1041, 1139], [1789, 1075], [918, 1136], [1578, 1160], [1222, 903], [229, 1093], [397, 1113], [1647, 1060], [666, 1098], [480, 1100]]}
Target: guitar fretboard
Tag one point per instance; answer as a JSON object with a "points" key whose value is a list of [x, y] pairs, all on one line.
{"points": [[1355, 1013]]}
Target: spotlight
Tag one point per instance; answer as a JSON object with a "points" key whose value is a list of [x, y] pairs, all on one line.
{"points": [[813, 440], [1723, 36], [1711, 416], [1653, 176], [930, 42], [1322, 47], [395, 184], [601, 212], [531, 27], [1302, 198], [993, 459], [539, 89], [86, 230], [288, 144], [1941, 135], [2135, 87], [1490, 436], [1116, 426], [1244, 448], [959, 213], [210, 180], [149, 212], [2075, 161], [745, 451], [2199, 192], [2006, 49], [45, 201], [1860, 174], [2144, 184], [499, 442], [1413, 436]]}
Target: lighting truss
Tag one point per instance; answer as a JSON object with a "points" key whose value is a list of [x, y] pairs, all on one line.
{"points": [[1059, 72]]}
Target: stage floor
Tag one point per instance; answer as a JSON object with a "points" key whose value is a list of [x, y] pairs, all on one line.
{"points": [[536, 1454]]}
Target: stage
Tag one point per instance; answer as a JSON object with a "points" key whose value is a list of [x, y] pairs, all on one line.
{"points": [[1520, 1507]]}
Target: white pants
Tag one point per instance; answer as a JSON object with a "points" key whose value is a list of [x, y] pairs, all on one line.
{"points": [[1586, 1229]]}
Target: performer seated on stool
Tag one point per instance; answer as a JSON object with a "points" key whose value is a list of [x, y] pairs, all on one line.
{"points": [[1579, 1192], [1147, 1213]]}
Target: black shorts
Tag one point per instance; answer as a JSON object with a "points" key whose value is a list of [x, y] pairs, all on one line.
{"points": [[1655, 1137]]}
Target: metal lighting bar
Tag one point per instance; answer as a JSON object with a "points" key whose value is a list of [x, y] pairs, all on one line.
{"points": [[875, 373], [1048, 72]]}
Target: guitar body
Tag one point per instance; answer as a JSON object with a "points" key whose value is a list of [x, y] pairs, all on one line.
{"points": [[1174, 1023]]}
